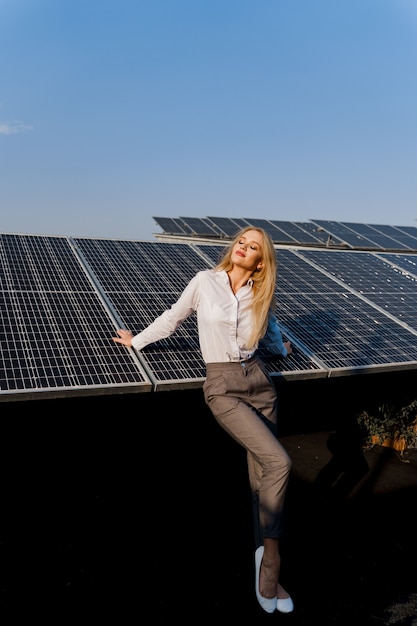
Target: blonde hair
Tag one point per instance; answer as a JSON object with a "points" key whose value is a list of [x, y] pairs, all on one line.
{"points": [[264, 281]]}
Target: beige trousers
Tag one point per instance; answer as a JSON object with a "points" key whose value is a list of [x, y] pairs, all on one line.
{"points": [[243, 399]]}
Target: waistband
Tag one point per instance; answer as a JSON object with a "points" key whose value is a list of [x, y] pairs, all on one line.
{"points": [[232, 364]]}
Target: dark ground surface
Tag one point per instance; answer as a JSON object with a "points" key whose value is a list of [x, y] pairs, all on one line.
{"points": [[123, 510]]}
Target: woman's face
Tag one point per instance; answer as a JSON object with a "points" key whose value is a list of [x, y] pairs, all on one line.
{"points": [[247, 251]]}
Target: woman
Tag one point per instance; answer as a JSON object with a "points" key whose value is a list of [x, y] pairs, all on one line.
{"points": [[235, 305]]}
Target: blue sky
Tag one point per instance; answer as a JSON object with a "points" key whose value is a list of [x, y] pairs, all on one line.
{"points": [[112, 112]]}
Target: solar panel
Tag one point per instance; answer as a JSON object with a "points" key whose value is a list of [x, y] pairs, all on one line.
{"points": [[293, 233], [219, 233], [329, 233], [198, 226], [323, 320], [406, 262], [320, 233], [139, 266], [378, 239], [345, 234], [334, 321], [368, 236], [61, 299], [213, 253], [396, 239], [375, 278], [172, 226], [225, 225], [333, 328], [266, 225], [241, 223], [410, 230], [408, 235], [141, 280], [55, 328], [164, 269]]}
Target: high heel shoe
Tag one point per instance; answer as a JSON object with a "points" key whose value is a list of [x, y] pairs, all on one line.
{"points": [[285, 605], [268, 604]]}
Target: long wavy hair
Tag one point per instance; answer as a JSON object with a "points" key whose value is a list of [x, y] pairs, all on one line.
{"points": [[264, 281]]}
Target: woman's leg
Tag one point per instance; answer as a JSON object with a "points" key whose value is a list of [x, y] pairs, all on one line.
{"points": [[269, 585], [236, 396]]}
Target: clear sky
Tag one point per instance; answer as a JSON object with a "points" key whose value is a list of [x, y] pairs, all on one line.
{"points": [[112, 112]]}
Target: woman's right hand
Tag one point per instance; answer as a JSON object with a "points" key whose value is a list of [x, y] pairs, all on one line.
{"points": [[124, 336], [288, 346]]}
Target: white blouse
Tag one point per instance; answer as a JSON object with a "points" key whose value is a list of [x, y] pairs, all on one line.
{"points": [[224, 320]]}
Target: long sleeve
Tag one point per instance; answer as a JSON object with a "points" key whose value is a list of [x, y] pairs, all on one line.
{"points": [[168, 322], [224, 319], [272, 341]]}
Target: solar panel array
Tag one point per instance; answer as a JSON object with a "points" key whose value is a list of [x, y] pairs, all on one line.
{"points": [[55, 328], [345, 311], [282, 232], [371, 236], [344, 324], [324, 233]]}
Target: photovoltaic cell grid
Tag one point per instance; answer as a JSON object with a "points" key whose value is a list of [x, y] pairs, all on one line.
{"points": [[398, 238], [241, 223], [382, 239], [55, 330], [349, 237], [296, 233], [378, 239], [266, 225], [200, 227], [303, 233], [325, 320], [225, 225], [213, 253], [362, 314], [370, 236], [164, 269], [141, 280], [340, 312], [406, 262], [341, 329], [410, 230], [319, 234], [385, 285], [171, 225], [328, 233], [293, 233], [395, 238]]}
